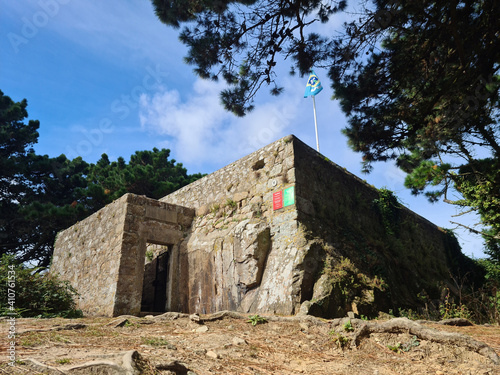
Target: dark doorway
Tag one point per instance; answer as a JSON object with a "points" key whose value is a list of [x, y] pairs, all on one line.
{"points": [[155, 282], [160, 283]]}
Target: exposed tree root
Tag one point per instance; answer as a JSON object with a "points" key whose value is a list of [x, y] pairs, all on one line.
{"points": [[58, 328], [403, 325], [363, 329], [271, 318], [459, 322]]}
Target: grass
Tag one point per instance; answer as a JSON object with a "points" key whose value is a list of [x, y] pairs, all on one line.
{"points": [[155, 341], [215, 208], [231, 203], [403, 348], [339, 340], [96, 332], [32, 339], [129, 324], [59, 338]]}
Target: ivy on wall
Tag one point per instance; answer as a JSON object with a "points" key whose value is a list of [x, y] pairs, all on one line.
{"points": [[388, 206]]}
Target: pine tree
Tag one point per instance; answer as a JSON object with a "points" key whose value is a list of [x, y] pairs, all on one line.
{"points": [[418, 81]]}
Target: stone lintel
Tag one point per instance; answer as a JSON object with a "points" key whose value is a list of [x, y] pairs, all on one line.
{"points": [[161, 214]]}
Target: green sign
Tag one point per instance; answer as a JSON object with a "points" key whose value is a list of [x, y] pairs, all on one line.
{"points": [[289, 196]]}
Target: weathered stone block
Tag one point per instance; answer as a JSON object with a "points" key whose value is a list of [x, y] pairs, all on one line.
{"points": [[161, 214], [276, 170], [203, 210], [238, 197]]}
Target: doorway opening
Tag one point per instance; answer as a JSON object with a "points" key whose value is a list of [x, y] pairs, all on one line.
{"points": [[156, 275]]}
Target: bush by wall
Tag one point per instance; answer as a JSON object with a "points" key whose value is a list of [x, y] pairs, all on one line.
{"points": [[30, 293]]}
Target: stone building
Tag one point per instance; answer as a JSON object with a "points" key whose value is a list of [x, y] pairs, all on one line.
{"points": [[281, 230]]}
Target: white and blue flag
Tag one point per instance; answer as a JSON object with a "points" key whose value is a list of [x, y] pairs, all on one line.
{"points": [[313, 86]]}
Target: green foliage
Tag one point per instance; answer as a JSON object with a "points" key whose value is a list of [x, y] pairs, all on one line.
{"points": [[231, 203], [492, 270], [449, 309], [148, 173], [214, 208], [348, 326], [428, 101], [339, 340], [155, 341], [492, 248], [241, 41], [478, 183], [36, 294], [427, 173], [389, 208], [347, 277], [256, 319], [410, 314], [40, 195], [150, 255], [403, 348], [484, 302], [16, 142], [349, 284], [477, 304]]}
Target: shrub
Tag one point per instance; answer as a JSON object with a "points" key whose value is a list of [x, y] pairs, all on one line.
{"points": [[484, 302], [339, 340], [389, 209], [348, 326], [449, 309], [36, 294], [230, 203], [256, 319]]}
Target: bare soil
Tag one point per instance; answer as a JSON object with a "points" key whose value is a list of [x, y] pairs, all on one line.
{"points": [[232, 345]]}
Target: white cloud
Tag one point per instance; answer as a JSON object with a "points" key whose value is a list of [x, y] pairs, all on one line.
{"points": [[200, 132]]}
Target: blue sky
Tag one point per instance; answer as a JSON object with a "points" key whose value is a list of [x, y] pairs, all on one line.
{"points": [[108, 77]]}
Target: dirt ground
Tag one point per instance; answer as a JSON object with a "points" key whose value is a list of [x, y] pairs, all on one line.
{"points": [[181, 345]]}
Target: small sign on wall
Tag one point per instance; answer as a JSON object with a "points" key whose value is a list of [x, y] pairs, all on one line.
{"points": [[284, 198], [277, 200], [289, 196]]}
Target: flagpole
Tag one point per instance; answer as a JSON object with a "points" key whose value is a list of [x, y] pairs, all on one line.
{"points": [[315, 123]]}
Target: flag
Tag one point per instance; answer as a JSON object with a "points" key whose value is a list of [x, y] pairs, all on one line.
{"points": [[313, 86]]}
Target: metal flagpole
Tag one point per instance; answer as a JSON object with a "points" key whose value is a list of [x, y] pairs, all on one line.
{"points": [[315, 123]]}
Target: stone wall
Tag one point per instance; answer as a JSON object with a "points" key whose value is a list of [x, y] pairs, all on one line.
{"points": [[408, 253], [241, 254], [88, 256], [103, 256]]}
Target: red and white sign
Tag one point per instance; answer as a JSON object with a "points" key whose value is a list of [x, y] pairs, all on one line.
{"points": [[278, 200]]}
